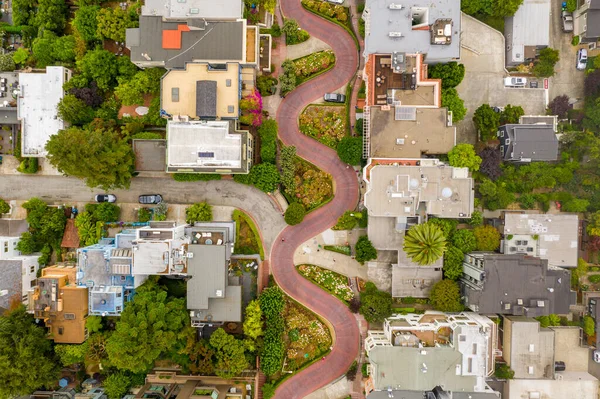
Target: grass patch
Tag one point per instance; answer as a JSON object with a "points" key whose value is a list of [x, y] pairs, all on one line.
{"points": [[330, 281], [247, 239], [195, 176], [340, 249], [326, 124]]}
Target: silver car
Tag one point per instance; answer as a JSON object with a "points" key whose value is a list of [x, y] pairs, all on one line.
{"points": [[581, 59], [567, 21]]}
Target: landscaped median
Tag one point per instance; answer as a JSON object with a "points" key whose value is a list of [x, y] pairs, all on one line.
{"points": [[337, 14], [300, 70], [247, 240], [332, 282], [324, 123]]}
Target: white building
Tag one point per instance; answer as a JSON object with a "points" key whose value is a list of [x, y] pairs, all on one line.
{"points": [[38, 96]]}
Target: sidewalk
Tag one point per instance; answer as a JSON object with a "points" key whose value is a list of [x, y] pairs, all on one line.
{"points": [[10, 164], [310, 46]]}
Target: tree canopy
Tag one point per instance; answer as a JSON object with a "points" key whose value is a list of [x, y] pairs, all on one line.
{"points": [[199, 212], [229, 354], [105, 160], [452, 101], [464, 156], [349, 150], [116, 385], [445, 296], [294, 214], [131, 91], [451, 73], [26, 358], [487, 238], [86, 22], [150, 325], [51, 15], [424, 243], [511, 114], [464, 240], [559, 106], [453, 260], [101, 66], [486, 121], [365, 251], [112, 23], [375, 305], [74, 111]]}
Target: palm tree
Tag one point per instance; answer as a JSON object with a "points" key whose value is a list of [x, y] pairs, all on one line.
{"points": [[424, 243]]}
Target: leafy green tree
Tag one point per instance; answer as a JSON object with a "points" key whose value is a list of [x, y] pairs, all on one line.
{"points": [[86, 22], [20, 56], [116, 385], [487, 237], [151, 325], [486, 121], [452, 101], [132, 91], [253, 324], [23, 12], [424, 243], [71, 354], [504, 372], [4, 207], [272, 301], [476, 219], [544, 67], [464, 240], [445, 296], [287, 159], [348, 220], [268, 140], [63, 48], [453, 260], [43, 51], [101, 66], [464, 156], [107, 160], [287, 80], [294, 214], [448, 226], [26, 359], [229, 354], [112, 23], [451, 73], [199, 212], [264, 176], [576, 205], [201, 358], [74, 111], [589, 326], [505, 8], [104, 212], [7, 64], [93, 324], [27, 244], [365, 251], [51, 15], [375, 305], [89, 230], [511, 114], [349, 149]]}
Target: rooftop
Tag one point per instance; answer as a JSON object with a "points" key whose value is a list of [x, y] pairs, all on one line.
{"points": [[187, 92], [160, 248], [211, 146], [557, 236], [400, 191], [13, 227], [39, 95], [531, 348], [431, 27], [172, 45], [10, 282], [569, 384], [515, 284], [412, 279], [208, 271], [529, 142], [530, 26], [204, 9], [424, 131]]}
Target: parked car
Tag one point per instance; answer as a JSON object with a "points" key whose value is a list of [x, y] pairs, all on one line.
{"points": [[597, 356], [515, 82], [335, 1], [567, 21], [498, 109], [581, 59], [334, 98], [105, 198], [150, 199]]}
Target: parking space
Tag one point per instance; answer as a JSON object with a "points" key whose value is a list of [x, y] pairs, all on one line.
{"points": [[567, 80], [482, 53]]}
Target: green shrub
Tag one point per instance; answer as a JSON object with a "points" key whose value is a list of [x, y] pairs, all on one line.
{"points": [[504, 372], [28, 165], [4, 207], [268, 140], [199, 212], [594, 278], [144, 215], [340, 249], [147, 136], [409, 300], [195, 176], [294, 214], [575, 40], [266, 85], [365, 370]]}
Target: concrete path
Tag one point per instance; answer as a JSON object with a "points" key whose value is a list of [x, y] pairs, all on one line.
{"points": [[222, 192], [345, 328], [310, 46]]}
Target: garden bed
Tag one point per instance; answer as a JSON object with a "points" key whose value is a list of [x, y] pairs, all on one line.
{"points": [[313, 65], [340, 249], [326, 124], [337, 14], [331, 282], [312, 187], [247, 238]]}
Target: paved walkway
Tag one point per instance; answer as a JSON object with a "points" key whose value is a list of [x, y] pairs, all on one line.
{"points": [[310, 46], [346, 332]]}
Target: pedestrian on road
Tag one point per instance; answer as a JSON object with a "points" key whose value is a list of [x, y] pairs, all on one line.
{"points": [[333, 260], [283, 239]]}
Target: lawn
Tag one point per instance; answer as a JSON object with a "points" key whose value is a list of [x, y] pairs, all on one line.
{"points": [[327, 124], [313, 65], [313, 187], [247, 240], [332, 282]]}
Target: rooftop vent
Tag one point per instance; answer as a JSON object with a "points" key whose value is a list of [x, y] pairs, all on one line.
{"points": [[394, 6], [395, 34]]}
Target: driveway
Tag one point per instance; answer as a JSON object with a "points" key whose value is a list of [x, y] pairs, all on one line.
{"points": [[482, 53], [344, 325], [224, 192], [567, 80]]}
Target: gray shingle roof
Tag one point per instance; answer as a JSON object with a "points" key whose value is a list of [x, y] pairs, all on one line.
{"points": [[536, 142], [206, 99], [10, 280]]}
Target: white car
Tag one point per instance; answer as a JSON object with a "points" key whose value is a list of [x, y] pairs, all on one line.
{"points": [[515, 82], [335, 1], [581, 59]]}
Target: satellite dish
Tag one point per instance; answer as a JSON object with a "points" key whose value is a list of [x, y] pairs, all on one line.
{"points": [[446, 192]]}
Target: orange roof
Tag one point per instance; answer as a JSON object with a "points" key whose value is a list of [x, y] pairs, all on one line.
{"points": [[71, 236], [171, 39]]}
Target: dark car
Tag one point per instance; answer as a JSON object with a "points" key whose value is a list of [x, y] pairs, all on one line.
{"points": [[150, 199], [105, 198], [334, 98]]}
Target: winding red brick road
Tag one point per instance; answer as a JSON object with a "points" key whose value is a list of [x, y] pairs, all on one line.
{"points": [[343, 322]]}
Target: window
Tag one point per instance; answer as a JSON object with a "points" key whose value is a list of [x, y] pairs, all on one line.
{"points": [[69, 316], [230, 109], [228, 82], [61, 330], [501, 133], [175, 94], [5, 246], [31, 269]]}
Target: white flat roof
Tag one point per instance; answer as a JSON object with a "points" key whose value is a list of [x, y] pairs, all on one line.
{"points": [[530, 27], [39, 95], [209, 9]]}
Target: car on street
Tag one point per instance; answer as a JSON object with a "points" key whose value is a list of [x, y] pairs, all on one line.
{"points": [[515, 82], [335, 1], [334, 98], [567, 21], [150, 199], [581, 59], [105, 198]]}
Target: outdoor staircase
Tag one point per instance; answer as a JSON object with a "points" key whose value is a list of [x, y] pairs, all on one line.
{"points": [[366, 131], [262, 378]]}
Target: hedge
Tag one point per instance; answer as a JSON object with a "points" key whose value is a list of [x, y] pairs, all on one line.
{"points": [[237, 214], [195, 177]]}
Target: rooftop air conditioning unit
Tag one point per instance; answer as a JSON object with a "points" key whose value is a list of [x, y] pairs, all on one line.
{"points": [[395, 34]]}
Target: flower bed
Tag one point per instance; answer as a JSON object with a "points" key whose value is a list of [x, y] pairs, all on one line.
{"points": [[251, 107], [328, 280], [312, 186], [313, 65], [340, 249], [336, 12], [327, 124]]}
